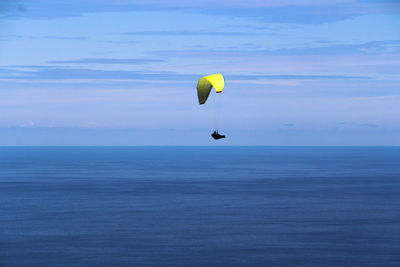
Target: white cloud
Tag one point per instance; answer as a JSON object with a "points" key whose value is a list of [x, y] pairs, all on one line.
{"points": [[27, 124], [234, 3]]}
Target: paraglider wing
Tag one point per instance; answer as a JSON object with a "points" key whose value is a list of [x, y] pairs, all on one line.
{"points": [[205, 84]]}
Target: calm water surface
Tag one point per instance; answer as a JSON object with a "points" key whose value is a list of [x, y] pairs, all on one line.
{"points": [[208, 206]]}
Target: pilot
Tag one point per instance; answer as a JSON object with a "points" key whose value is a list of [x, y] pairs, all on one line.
{"points": [[217, 136]]}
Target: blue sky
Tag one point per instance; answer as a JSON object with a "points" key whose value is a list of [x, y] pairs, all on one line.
{"points": [[124, 72]]}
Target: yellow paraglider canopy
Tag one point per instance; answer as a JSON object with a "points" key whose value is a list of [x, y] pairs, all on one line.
{"points": [[205, 84]]}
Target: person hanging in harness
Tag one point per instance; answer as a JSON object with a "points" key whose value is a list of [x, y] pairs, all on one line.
{"points": [[216, 135]]}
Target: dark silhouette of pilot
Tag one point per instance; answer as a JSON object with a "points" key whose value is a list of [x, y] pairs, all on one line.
{"points": [[217, 136]]}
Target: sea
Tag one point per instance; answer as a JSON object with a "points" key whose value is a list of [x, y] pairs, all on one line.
{"points": [[199, 206]]}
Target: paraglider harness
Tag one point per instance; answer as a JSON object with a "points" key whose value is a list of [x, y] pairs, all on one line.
{"points": [[216, 135]]}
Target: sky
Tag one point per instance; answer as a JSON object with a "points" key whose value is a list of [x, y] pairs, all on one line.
{"points": [[124, 72]]}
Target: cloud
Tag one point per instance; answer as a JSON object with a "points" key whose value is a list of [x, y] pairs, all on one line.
{"points": [[78, 38], [7, 73], [125, 61], [11, 8], [371, 48], [27, 124], [233, 3], [370, 125], [289, 125], [90, 124], [198, 33], [312, 13], [62, 73], [10, 36], [55, 73], [19, 36], [298, 77], [285, 11]]}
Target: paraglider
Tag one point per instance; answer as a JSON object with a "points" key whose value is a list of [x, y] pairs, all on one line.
{"points": [[204, 86]]}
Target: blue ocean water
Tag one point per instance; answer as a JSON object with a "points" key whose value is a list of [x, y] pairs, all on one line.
{"points": [[199, 206]]}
